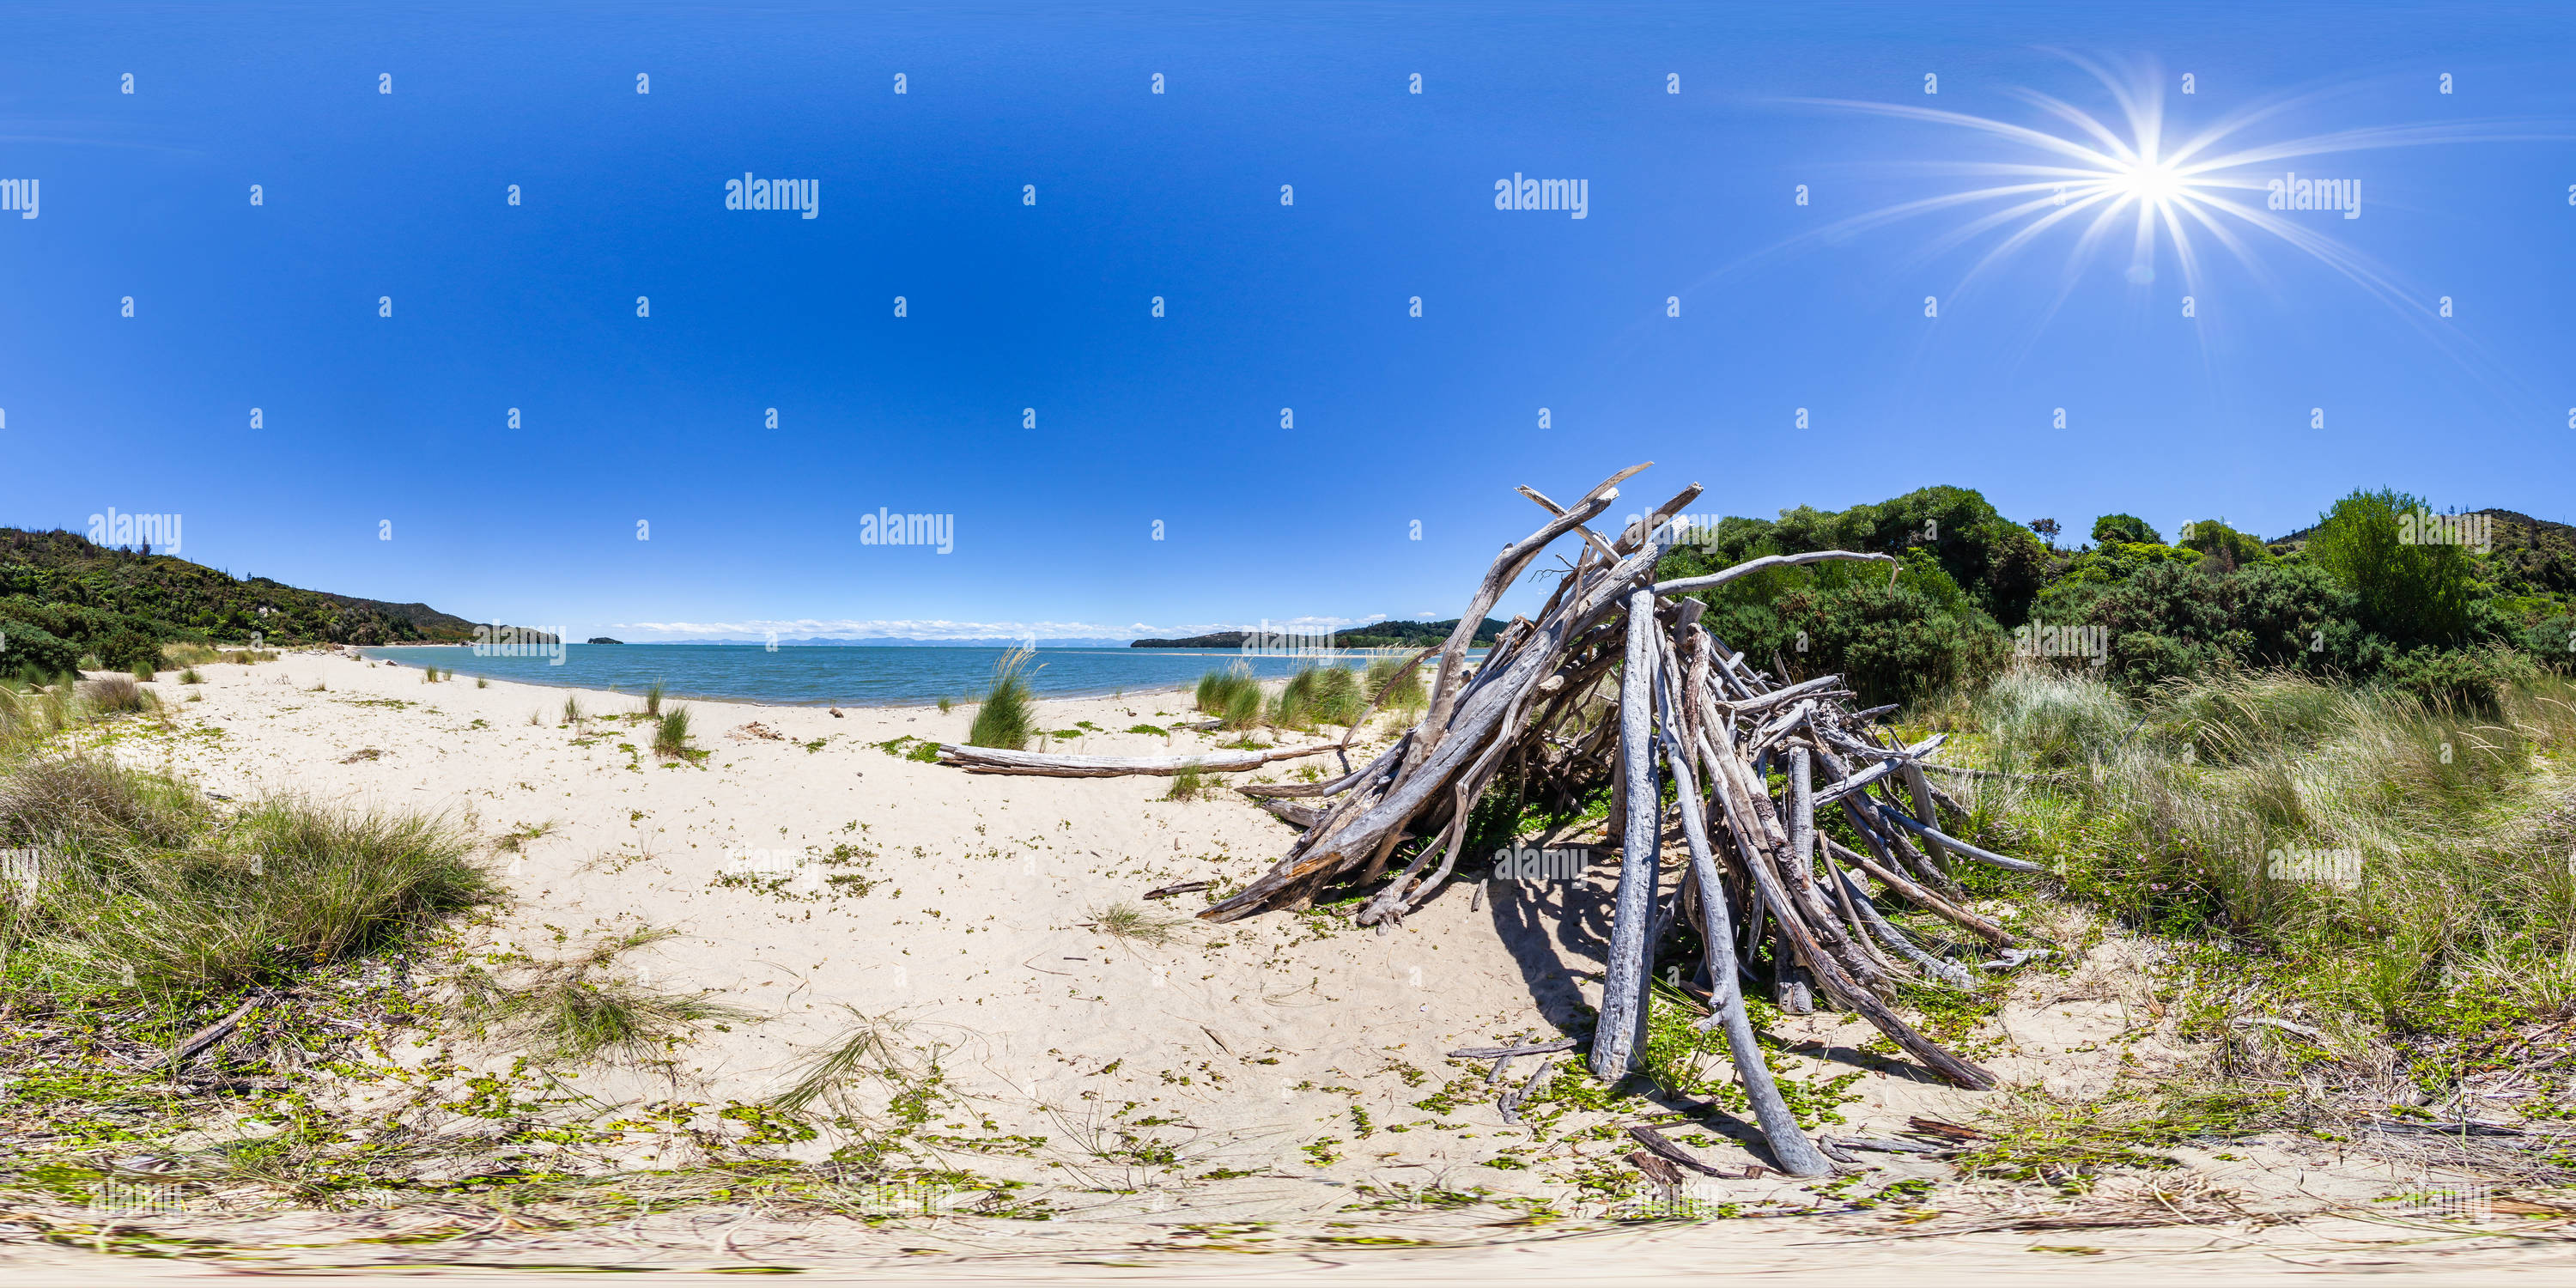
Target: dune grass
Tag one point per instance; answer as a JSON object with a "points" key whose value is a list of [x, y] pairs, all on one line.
{"points": [[1395, 686], [149, 892], [1135, 923], [653, 698], [1009, 715], [572, 709], [190, 676], [1318, 695], [671, 733], [1188, 785], [576, 1009], [114, 693], [2229, 809]]}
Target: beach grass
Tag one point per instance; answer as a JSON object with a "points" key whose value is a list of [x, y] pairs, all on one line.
{"points": [[148, 892], [574, 1009], [1009, 715], [671, 733]]}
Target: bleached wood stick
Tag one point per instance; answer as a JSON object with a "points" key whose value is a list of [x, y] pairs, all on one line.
{"points": [[1789, 1145], [995, 760], [1766, 562], [1621, 1033], [1939, 837], [1922, 898], [1764, 702], [1499, 578], [1827, 970]]}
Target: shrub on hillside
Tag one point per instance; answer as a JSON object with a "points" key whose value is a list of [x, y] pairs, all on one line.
{"points": [[2411, 592]]}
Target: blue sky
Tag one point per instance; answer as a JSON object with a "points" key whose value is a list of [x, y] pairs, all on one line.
{"points": [[370, 420]]}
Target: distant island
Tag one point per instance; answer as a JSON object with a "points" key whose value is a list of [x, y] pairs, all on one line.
{"points": [[1374, 635], [602, 639]]}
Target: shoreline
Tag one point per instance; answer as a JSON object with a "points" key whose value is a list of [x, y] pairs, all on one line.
{"points": [[372, 653]]}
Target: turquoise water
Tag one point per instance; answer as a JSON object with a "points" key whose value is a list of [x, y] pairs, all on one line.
{"points": [[857, 675]]}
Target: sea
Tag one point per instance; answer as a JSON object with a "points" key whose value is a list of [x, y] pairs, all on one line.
{"points": [[856, 675]]}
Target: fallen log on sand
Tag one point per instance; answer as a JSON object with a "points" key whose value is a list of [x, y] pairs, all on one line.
{"points": [[994, 760], [1616, 685]]}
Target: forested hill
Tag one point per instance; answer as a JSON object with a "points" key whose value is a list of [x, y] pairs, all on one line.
{"points": [[122, 604]]}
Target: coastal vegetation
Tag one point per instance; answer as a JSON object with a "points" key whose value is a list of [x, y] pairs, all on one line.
{"points": [[59, 591], [1008, 717]]}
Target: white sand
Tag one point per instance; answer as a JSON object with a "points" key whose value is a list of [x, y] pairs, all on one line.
{"points": [[1250, 1041]]}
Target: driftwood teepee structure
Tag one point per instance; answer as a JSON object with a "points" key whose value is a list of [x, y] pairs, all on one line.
{"points": [[1755, 875]]}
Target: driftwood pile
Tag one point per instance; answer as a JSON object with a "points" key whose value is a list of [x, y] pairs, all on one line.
{"points": [[1616, 679]]}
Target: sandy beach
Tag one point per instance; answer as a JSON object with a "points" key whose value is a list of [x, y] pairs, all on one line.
{"points": [[1285, 1072]]}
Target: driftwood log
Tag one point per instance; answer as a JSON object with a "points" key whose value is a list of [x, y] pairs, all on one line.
{"points": [[994, 760], [1615, 684]]}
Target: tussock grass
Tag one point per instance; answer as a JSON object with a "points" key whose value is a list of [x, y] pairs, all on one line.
{"points": [[186, 654], [2187, 812], [190, 676], [114, 693], [1135, 924], [1232, 696], [1316, 696], [1009, 715], [143, 672], [148, 891], [572, 710], [653, 698], [671, 734], [575, 1009], [1395, 686], [869, 1048], [1188, 785]]}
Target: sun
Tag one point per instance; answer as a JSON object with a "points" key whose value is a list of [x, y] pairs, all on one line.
{"points": [[2130, 176]]}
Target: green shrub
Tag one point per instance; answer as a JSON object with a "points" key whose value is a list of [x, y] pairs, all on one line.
{"points": [[2459, 681], [1009, 714], [2411, 592], [25, 646], [2127, 528]]}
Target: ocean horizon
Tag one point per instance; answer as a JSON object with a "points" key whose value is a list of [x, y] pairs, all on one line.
{"points": [[854, 675]]}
